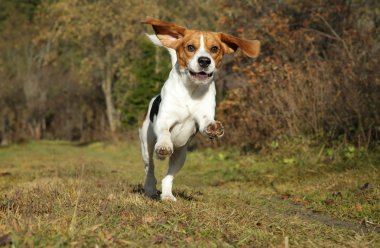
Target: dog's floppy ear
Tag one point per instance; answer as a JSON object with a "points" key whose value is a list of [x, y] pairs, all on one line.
{"points": [[250, 48], [168, 33]]}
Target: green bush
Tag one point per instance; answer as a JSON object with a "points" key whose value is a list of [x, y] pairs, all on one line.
{"points": [[149, 72]]}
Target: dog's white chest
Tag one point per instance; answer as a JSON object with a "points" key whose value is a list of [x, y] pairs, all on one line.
{"points": [[181, 132], [185, 126]]}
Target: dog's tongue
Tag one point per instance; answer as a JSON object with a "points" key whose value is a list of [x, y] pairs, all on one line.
{"points": [[201, 75]]}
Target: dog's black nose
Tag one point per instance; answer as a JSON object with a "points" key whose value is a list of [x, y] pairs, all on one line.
{"points": [[204, 62]]}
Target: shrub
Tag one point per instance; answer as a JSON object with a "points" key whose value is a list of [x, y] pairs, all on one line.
{"points": [[317, 76]]}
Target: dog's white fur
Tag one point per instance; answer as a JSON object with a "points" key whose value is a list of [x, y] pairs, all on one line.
{"points": [[187, 98]]}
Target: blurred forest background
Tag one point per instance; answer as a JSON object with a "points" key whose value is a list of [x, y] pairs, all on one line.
{"points": [[83, 70]]}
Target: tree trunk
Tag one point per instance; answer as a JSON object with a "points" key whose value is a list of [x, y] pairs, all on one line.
{"points": [[112, 115], [3, 131]]}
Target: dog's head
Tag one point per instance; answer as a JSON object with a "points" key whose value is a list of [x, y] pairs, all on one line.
{"points": [[199, 53]]}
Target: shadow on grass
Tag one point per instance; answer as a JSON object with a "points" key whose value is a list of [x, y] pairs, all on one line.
{"points": [[139, 189]]}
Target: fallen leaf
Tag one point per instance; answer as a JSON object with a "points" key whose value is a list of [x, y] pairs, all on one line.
{"points": [[147, 219], [189, 239], [3, 174], [285, 196], [358, 207], [329, 201]]}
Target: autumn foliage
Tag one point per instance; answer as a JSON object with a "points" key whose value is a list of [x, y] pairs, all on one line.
{"points": [[82, 70], [317, 75]]}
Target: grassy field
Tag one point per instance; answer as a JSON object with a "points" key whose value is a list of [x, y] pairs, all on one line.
{"points": [[294, 195]]}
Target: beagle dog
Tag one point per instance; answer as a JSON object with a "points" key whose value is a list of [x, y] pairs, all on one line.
{"points": [[186, 104]]}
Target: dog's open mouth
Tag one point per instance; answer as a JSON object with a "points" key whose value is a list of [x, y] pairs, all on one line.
{"points": [[201, 75]]}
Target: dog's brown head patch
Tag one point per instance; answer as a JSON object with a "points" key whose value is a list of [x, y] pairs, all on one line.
{"points": [[186, 42]]}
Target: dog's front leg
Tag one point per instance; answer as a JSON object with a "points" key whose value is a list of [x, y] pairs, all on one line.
{"points": [[164, 144]]}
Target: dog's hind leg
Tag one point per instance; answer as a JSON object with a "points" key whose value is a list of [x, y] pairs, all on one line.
{"points": [[176, 162], [147, 139]]}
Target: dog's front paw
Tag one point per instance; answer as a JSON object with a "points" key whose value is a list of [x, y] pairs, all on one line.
{"points": [[163, 151], [214, 130]]}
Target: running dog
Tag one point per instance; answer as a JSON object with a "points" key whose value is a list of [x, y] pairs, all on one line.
{"points": [[186, 104]]}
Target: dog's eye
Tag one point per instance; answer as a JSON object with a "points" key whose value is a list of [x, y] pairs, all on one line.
{"points": [[214, 49], [190, 48]]}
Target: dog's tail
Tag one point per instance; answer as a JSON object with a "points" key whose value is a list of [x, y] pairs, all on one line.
{"points": [[173, 55]]}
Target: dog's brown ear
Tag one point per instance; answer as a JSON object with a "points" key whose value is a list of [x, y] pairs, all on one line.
{"points": [[168, 33], [250, 48]]}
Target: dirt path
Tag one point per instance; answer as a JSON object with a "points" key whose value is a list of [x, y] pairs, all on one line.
{"points": [[313, 216]]}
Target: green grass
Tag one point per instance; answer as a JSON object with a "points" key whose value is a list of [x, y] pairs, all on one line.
{"points": [[61, 194]]}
